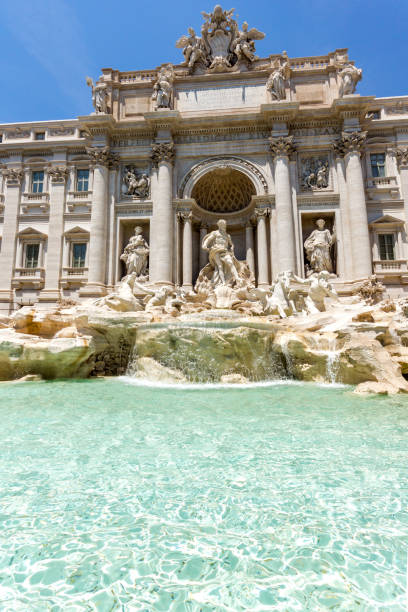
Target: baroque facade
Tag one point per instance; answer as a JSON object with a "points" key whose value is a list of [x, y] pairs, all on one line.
{"points": [[272, 145]]}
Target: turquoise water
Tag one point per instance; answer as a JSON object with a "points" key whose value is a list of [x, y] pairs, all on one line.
{"points": [[122, 497]]}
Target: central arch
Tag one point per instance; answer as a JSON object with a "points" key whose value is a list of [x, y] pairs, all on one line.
{"points": [[227, 168]]}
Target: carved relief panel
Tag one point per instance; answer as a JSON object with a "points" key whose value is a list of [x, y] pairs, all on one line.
{"points": [[135, 183], [314, 172]]}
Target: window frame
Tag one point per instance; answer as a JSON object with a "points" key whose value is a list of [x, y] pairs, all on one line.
{"points": [[375, 166], [385, 236], [36, 183], [27, 245], [78, 242], [79, 180]]}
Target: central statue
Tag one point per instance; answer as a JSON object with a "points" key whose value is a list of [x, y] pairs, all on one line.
{"points": [[221, 256]]}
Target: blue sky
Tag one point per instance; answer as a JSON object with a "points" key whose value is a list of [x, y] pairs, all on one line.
{"points": [[47, 47]]}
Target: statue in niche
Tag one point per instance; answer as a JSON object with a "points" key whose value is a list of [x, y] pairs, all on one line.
{"points": [[221, 255], [315, 174], [194, 50], [135, 185], [135, 256], [243, 44], [99, 96], [349, 77], [276, 82], [163, 88], [318, 246]]}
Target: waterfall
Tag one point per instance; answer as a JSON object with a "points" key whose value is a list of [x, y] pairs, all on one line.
{"points": [[284, 342]]}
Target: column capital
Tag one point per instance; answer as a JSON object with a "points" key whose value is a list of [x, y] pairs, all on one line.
{"points": [[13, 176], [402, 156], [261, 213], [350, 142], [185, 216], [58, 174], [102, 156], [282, 146], [162, 152]]}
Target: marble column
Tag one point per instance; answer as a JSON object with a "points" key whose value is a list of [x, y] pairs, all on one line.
{"points": [[346, 259], [261, 215], [13, 178], [161, 240], [352, 143], [58, 178], [249, 246], [111, 272], [187, 218], [101, 159], [281, 147], [402, 158], [203, 258]]}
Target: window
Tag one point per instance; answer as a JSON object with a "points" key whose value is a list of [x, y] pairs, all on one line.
{"points": [[39, 136], [82, 180], [32, 252], [37, 182], [78, 254], [1, 137], [377, 164], [386, 242]]}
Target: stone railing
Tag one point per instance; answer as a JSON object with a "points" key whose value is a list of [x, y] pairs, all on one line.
{"points": [[390, 265], [138, 76], [71, 271], [382, 181], [38, 197], [73, 276], [28, 276], [79, 195]]}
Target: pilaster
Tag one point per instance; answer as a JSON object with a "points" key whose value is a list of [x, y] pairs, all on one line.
{"points": [[58, 177], [13, 178], [101, 160]]}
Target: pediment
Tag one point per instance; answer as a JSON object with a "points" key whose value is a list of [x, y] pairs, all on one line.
{"points": [[387, 219], [76, 231], [31, 232]]}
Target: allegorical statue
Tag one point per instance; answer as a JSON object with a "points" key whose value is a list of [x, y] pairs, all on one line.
{"points": [[99, 96], [350, 76], [243, 43], [221, 256], [134, 184], [194, 50], [135, 255], [163, 88], [276, 81], [318, 246]]}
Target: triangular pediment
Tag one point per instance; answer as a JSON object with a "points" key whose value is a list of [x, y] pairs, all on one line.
{"points": [[387, 219], [76, 231], [31, 231]]}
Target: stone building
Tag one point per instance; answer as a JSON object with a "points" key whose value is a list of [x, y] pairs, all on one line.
{"points": [[270, 144]]}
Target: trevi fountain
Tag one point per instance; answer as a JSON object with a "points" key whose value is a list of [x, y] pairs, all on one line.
{"points": [[204, 341]]}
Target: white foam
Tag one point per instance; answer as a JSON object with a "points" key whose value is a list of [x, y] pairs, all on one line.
{"points": [[144, 382]]}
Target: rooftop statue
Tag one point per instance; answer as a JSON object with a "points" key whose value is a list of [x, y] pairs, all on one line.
{"points": [[99, 96], [276, 81], [163, 88], [194, 49], [222, 44], [350, 76]]}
